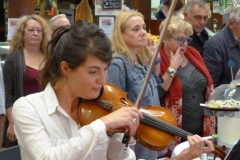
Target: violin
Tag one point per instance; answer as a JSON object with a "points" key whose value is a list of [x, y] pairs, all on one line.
{"points": [[155, 131]]}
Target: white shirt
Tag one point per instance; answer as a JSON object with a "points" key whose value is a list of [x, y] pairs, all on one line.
{"points": [[45, 131]]}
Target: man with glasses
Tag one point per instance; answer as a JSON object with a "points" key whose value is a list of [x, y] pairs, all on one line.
{"points": [[196, 13], [222, 52]]}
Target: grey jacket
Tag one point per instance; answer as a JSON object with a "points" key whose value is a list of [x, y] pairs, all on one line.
{"points": [[13, 73]]}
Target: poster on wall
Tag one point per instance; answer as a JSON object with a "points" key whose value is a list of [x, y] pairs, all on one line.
{"points": [[12, 24], [106, 24], [108, 7]]}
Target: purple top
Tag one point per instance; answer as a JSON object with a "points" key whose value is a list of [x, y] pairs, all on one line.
{"points": [[31, 81]]}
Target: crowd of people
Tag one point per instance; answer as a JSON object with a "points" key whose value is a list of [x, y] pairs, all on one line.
{"points": [[54, 66]]}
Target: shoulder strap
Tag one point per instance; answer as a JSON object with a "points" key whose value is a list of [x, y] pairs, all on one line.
{"points": [[125, 69]]}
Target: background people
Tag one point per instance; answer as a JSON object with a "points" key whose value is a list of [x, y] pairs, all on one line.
{"points": [[177, 11], [187, 82], [22, 65], [222, 53], [47, 124], [196, 13], [164, 8], [129, 42], [59, 20]]}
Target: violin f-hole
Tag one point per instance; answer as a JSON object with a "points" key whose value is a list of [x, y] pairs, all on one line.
{"points": [[124, 102]]}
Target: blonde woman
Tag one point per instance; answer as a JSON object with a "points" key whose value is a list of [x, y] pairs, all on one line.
{"points": [[187, 82], [22, 65]]}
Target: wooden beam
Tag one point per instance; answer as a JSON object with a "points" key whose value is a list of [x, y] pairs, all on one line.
{"points": [[18, 8]]}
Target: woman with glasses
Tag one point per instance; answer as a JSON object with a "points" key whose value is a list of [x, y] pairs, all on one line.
{"points": [[187, 82], [22, 65]]}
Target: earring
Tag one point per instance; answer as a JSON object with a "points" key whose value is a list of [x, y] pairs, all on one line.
{"points": [[165, 44]]}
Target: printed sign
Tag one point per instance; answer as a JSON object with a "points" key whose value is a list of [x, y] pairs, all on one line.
{"points": [[108, 7], [112, 4], [12, 23]]}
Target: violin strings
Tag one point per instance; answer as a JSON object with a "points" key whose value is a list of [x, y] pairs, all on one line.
{"points": [[156, 123], [159, 124]]}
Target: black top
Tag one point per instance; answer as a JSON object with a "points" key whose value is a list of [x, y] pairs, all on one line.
{"points": [[199, 41], [194, 85], [159, 15]]}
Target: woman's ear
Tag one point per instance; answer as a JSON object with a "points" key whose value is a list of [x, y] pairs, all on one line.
{"points": [[64, 68], [185, 14], [230, 22], [165, 39]]}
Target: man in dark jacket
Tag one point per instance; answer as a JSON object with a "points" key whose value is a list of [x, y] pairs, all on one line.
{"points": [[196, 13], [222, 52]]}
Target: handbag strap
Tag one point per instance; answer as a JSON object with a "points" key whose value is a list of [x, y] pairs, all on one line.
{"points": [[125, 69]]}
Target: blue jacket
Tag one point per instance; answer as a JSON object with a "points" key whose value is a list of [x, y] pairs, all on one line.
{"points": [[218, 50], [117, 76]]}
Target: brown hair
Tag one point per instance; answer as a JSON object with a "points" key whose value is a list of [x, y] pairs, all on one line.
{"points": [[179, 5], [73, 45]]}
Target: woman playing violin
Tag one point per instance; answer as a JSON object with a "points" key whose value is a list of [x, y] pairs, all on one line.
{"points": [[47, 123]]}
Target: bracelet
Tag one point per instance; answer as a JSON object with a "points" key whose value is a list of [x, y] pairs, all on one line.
{"points": [[157, 61]]}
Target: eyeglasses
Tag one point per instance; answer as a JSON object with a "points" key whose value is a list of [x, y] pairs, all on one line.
{"points": [[31, 30], [182, 40]]}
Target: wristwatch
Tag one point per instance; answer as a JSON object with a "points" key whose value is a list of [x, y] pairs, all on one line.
{"points": [[172, 72]]}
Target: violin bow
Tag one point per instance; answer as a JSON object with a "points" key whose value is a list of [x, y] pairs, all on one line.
{"points": [[149, 72]]}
